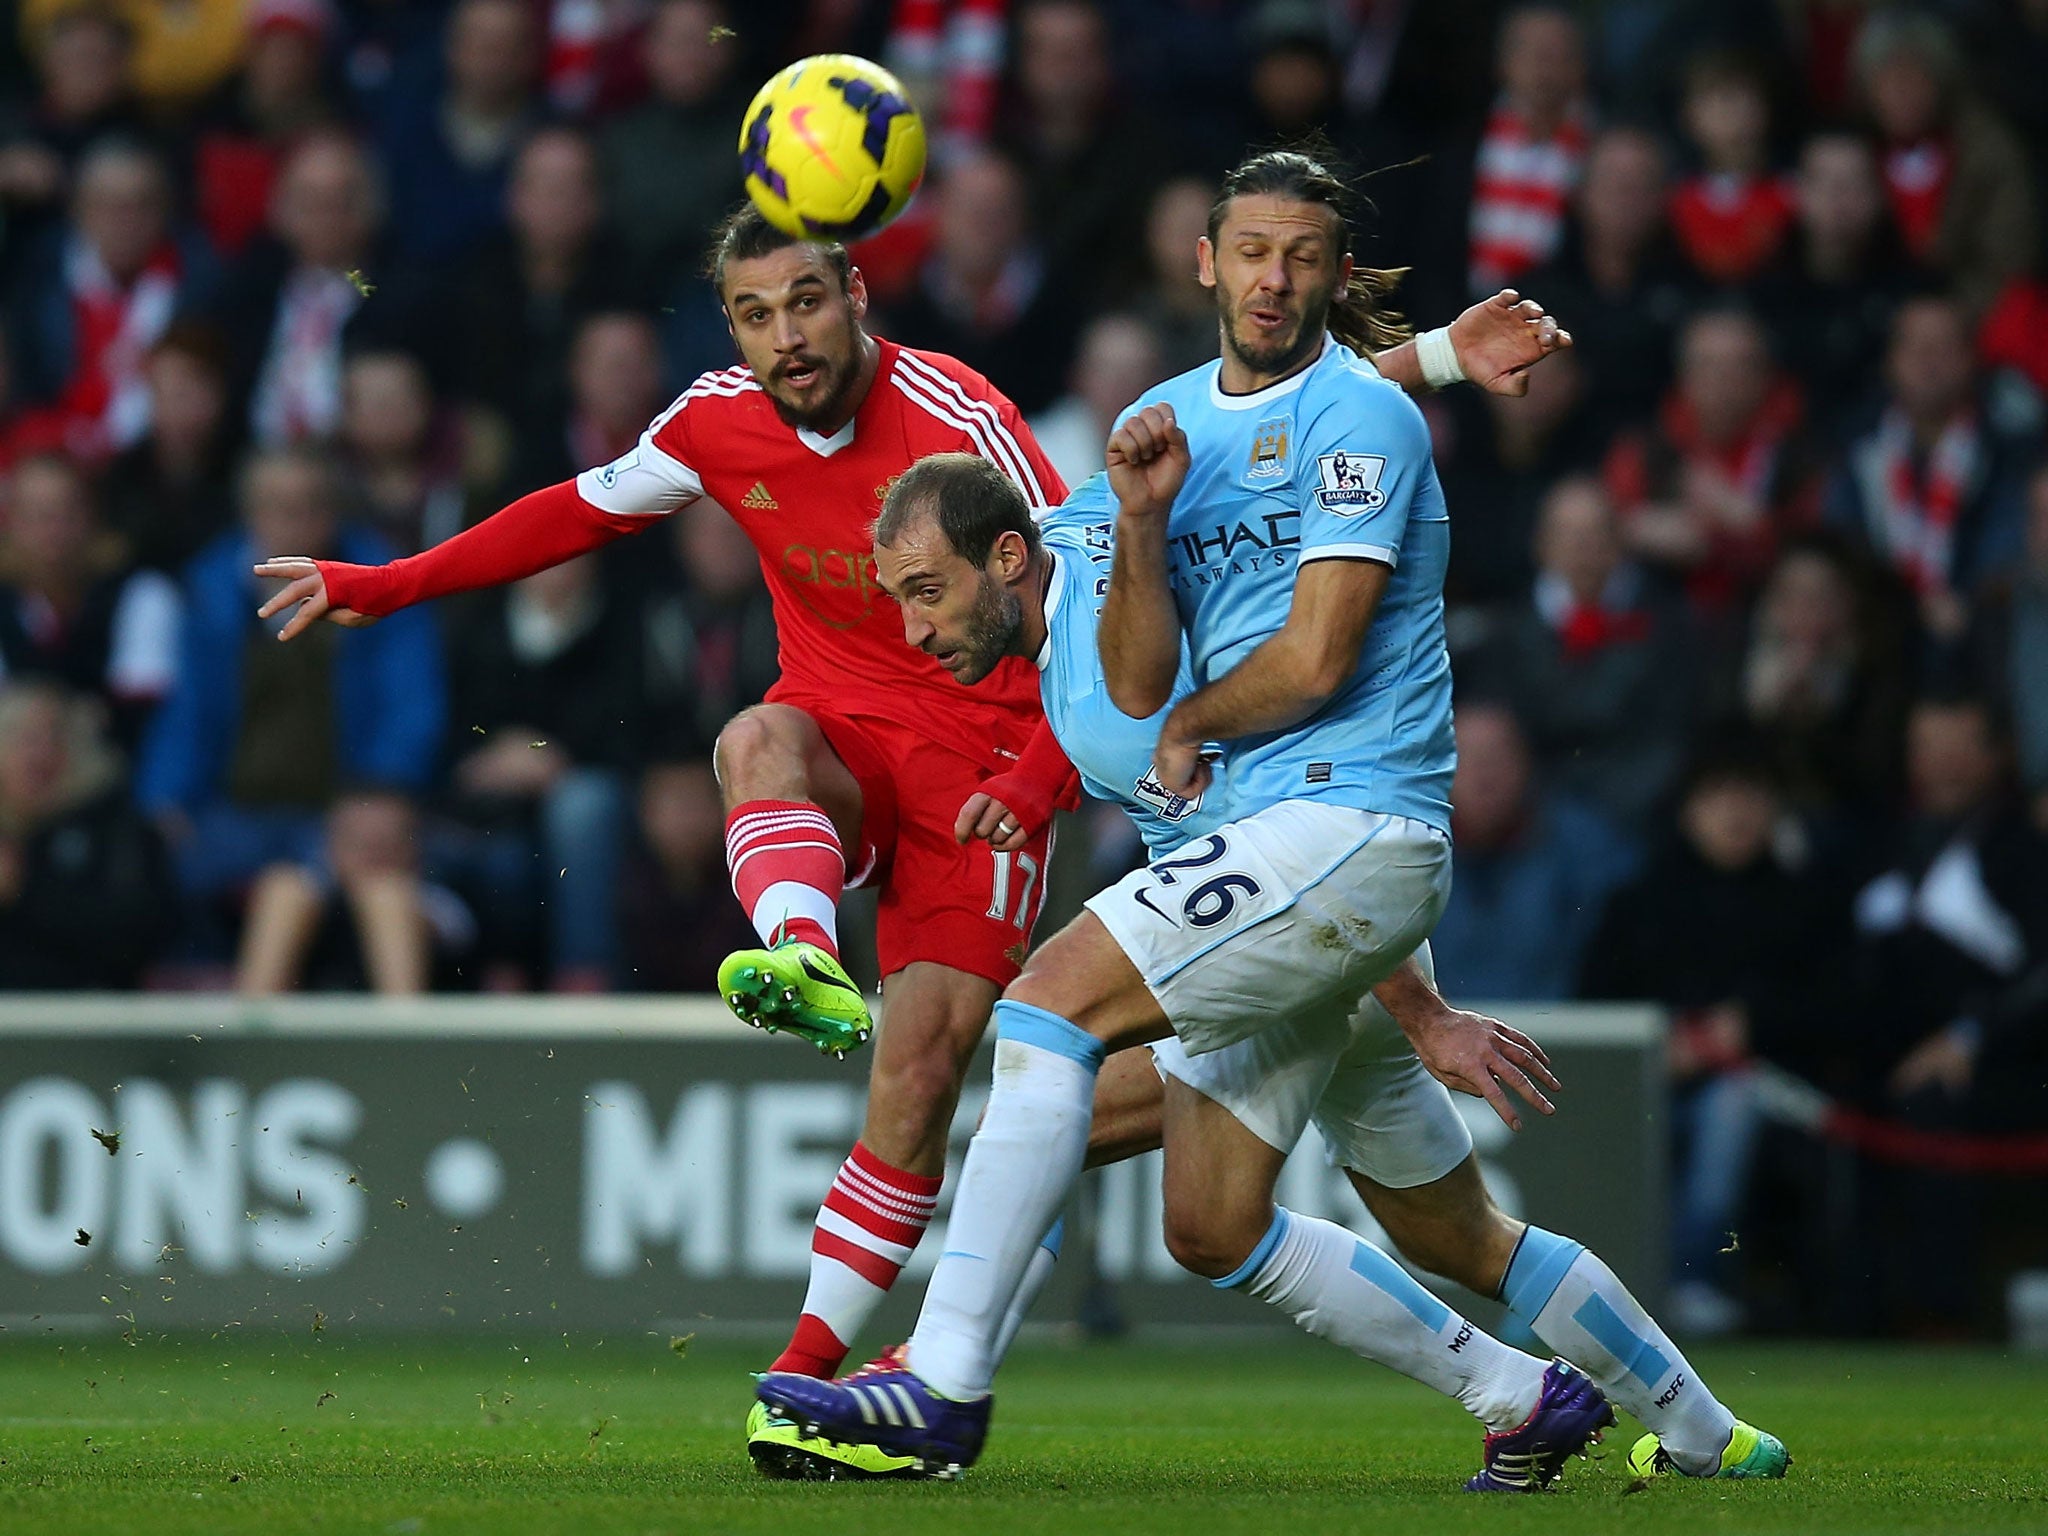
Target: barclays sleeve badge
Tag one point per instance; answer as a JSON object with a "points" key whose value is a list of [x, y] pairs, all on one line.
{"points": [[1350, 482]]}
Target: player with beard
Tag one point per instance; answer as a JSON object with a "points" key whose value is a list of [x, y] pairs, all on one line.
{"points": [[854, 768], [1276, 590]]}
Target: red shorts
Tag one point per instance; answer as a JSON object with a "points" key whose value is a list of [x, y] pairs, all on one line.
{"points": [[966, 906]]}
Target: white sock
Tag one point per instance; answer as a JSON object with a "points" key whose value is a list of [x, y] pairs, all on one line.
{"points": [[1020, 1168], [1578, 1307], [1042, 1260], [1340, 1287]]}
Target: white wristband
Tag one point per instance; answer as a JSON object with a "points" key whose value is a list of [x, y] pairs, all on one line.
{"points": [[1439, 359]]}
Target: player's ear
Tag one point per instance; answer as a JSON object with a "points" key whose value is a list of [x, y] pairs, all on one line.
{"points": [[1012, 556], [1205, 262], [857, 293]]}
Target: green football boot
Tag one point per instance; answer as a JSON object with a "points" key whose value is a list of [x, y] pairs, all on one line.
{"points": [[1750, 1452], [780, 1451], [799, 988]]}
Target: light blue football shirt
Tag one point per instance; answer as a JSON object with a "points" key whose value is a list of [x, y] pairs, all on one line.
{"points": [[1112, 752], [1331, 464]]}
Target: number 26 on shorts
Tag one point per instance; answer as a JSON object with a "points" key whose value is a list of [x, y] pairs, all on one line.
{"points": [[1205, 899]]}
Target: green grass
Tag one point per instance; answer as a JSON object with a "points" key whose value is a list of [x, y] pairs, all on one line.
{"points": [[282, 1436]]}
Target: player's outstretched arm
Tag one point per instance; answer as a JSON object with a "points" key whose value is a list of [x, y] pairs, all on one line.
{"points": [[1467, 1052], [536, 531], [1493, 344], [1287, 678], [1139, 636]]}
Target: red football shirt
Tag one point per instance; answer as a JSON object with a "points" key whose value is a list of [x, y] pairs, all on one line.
{"points": [[809, 504]]}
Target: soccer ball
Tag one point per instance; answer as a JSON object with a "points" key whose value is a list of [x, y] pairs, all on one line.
{"points": [[831, 148]]}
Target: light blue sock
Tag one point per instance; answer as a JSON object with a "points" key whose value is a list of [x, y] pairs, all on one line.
{"points": [[1340, 1287], [1571, 1300], [1027, 1294], [1020, 1168]]}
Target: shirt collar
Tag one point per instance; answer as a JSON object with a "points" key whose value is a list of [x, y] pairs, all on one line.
{"points": [[1260, 398], [1055, 594]]}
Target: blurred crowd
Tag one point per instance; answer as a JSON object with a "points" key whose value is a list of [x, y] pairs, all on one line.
{"points": [[1749, 594]]}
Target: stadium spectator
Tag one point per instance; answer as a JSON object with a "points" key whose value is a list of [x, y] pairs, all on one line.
{"points": [[1618, 280], [1294, 92], [1725, 928], [297, 299], [68, 612], [1499, 456], [169, 496], [1595, 666], [1116, 360], [243, 758], [1531, 870], [176, 54], [614, 368], [1710, 490], [363, 920], [1956, 177], [1532, 149], [83, 56], [280, 93], [1953, 936], [591, 55], [984, 295], [447, 151], [1089, 157], [546, 724], [97, 292], [1821, 686], [516, 303], [1830, 301], [417, 472], [1732, 214], [1933, 487], [663, 221], [1173, 299], [707, 646], [85, 890], [677, 915]]}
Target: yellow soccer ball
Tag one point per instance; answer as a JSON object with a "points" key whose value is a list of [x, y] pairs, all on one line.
{"points": [[832, 148]]}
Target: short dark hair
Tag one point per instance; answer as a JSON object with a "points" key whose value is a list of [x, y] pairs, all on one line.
{"points": [[972, 501], [745, 233]]}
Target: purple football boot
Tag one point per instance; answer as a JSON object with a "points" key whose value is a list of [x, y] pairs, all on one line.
{"points": [[884, 1404], [1569, 1414]]}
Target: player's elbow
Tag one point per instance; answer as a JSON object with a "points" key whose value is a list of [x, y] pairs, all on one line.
{"points": [[1320, 669], [1140, 698], [1137, 685]]}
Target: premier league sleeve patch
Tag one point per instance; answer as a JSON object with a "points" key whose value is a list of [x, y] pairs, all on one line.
{"points": [[1350, 483]]}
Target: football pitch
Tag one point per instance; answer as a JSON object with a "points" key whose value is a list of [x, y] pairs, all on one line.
{"points": [[636, 1435]]}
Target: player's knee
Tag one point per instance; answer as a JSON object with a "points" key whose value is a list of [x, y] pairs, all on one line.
{"points": [[757, 741], [1209, 1243]]}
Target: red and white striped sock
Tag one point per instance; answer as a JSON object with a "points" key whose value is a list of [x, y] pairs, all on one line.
{"points": [[867, 1229], [787, 869]]}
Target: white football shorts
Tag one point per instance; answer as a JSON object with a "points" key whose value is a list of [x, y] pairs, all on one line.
{"points": [[1287, 916], [1376, 1107]]}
